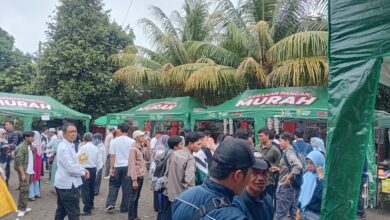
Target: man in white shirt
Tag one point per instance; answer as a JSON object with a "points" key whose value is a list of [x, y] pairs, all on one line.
{"points": [[155, 139], [107, 141], [119, 155], [89, 159], [68, 176]]}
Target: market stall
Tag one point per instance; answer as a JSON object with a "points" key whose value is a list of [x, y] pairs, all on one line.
{"points": [[277, 108], [379, 160], [29, 107], [168, 114]]}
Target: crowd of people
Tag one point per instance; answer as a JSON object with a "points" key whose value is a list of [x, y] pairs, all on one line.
{"points": [[192, 176]]}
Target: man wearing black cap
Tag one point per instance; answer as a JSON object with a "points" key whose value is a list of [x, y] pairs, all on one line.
{"points": [[230, 173], [258, 203]]}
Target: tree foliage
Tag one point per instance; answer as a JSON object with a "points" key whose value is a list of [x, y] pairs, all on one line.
{"points": [[16, 68], [74, 66]]}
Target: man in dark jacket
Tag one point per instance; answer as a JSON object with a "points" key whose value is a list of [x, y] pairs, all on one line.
{"points": [[13, 141], [230, 173], [258, 203]]}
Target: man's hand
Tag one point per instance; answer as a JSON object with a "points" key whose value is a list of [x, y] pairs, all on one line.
{"points": [[135, 185], [274, 169], [86, 174], [23, 177], [112, 172], [298, 215], [287, 182]]}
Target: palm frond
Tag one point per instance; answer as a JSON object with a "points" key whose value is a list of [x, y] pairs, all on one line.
{"points": [[179, 74], [257, 10], [132, 75], [164, 20], [123, 59], [261, 42], [196, 14], [299, 45], [300, 72], [154, 34], [166, 67], [152, 55], [285, 19], [218, 54], [206, 61], [251, 69], [230, 11], [131, 49], [212, 79], [313, 24]]}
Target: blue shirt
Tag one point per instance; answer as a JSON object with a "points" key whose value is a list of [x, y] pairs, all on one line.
{"points": [[187, 203], [259, 208]]}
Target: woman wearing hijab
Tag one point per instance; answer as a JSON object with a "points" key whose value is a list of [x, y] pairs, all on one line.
{"points": [[97, 140], [37, 145], [311, 190], [317, 144]]}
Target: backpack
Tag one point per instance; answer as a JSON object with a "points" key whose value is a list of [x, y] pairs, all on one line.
{"points": [[300, 155], [159, 179], [298, 179], [214, 203]]}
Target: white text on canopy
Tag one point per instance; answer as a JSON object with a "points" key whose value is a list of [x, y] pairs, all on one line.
{"points": [[24, 103], [164, 106], [278, 98]]}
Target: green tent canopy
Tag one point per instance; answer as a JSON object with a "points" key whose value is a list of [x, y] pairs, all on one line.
{"points": [[289, 102], [102, 121], [167, 109], [29, 107]]}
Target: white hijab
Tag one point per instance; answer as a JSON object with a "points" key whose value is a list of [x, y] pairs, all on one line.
{"points": [[37, 143]]}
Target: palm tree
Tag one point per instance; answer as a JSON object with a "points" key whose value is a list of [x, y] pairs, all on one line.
{"points": [[248, 42], [212, 56], [145, 68]]}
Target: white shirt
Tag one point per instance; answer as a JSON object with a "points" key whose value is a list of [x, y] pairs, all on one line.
{"points": [[88, 156], [153, 142], [30, 166], [102, 155], [120, 147], [69, 171]]}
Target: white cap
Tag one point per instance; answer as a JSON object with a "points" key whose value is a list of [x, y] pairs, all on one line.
{"points": [[3, 131], [52, 130], [138, 133]]}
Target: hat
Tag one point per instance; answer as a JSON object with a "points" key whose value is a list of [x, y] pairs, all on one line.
{"points": [[187, 130], [52, 130], [3, 131], [261, 164], [242, 134], [233, 154], [138, 133]]}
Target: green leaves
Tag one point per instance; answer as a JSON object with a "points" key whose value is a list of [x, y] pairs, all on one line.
{"points": [[74, 66]]}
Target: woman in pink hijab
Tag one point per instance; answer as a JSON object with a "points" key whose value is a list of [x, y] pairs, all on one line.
{"points": [[36, 178]]}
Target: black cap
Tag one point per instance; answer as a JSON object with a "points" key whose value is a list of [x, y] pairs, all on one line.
{"points": [[261, 164], [242, 134], [233, 154]]}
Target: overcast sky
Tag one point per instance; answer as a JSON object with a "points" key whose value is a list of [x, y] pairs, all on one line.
{"points": [[26, 19]]}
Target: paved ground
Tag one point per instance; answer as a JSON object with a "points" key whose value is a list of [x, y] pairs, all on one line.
{"points": [[44, 208]]}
